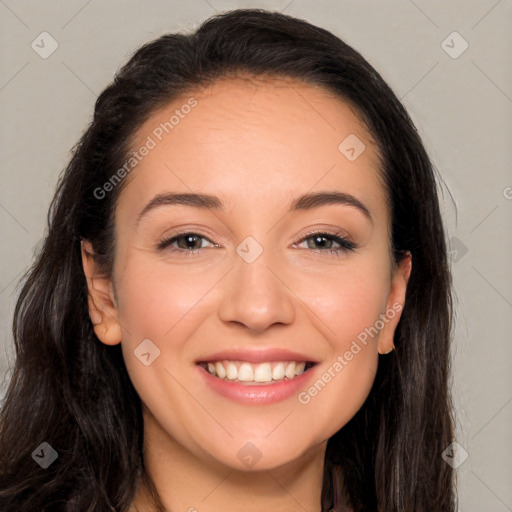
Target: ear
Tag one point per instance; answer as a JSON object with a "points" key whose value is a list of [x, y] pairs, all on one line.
{"points": [[101, 300], [395, 304]]}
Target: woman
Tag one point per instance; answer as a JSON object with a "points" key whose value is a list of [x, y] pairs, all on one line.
{"points": [[243, 297]]}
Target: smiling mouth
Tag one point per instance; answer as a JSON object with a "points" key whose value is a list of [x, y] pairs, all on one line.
{"points": [[269, 372]]}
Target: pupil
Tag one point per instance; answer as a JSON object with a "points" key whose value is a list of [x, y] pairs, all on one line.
{"points": [[318, 240], [193, 240], [190, 240]]}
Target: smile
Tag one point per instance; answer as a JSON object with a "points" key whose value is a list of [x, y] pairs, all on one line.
{"points": [[261, 373]]}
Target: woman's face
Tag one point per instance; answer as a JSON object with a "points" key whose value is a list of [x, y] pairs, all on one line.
{"points": [[252, 289]]}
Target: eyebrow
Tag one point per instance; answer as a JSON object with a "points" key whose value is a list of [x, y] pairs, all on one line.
{"points": [[304, 202]]}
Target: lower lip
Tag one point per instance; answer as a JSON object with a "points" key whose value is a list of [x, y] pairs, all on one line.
{"points": [[256, 393]]}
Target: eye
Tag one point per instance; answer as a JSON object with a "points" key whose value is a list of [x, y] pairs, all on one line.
{"points": [[187, 243], [325, 241], [190, 243]]}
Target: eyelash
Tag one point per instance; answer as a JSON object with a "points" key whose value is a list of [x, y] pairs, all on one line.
{"points": [[345, 244]]}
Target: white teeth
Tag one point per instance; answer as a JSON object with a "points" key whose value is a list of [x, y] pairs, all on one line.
{"points": [[231, 371], [219, 370], [262, 373], [278, 372], [299, 368], [246, 373], [290, 370]]}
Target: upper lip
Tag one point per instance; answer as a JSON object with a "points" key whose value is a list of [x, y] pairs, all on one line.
{"points": [[256, 356]]}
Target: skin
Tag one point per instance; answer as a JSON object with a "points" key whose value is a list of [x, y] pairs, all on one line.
{"points": [[256, 144]]}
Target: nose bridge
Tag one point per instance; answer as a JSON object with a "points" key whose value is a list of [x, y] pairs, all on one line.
{"points": [[254, 295]]}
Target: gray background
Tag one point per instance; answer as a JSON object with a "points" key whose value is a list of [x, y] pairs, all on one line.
{"points": [[462, 107]]}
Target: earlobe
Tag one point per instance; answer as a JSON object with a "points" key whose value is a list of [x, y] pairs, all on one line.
{"points": [[102, 309], [395, 304]]}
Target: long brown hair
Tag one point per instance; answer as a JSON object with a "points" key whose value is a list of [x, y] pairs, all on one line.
{"points": [[73, 392]]}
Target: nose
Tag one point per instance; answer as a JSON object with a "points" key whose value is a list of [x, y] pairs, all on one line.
{"points": [[256, 296]]}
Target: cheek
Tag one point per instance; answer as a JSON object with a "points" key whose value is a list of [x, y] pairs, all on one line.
{"points": [[166, 305], [159, 299], [346, 300], [346, 306]]}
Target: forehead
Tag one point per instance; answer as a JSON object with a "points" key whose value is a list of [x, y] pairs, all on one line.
{"points": [[264, 138]]}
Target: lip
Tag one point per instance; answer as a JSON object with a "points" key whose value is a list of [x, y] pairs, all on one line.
{"points": [[257, 356], [256, 394]]}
